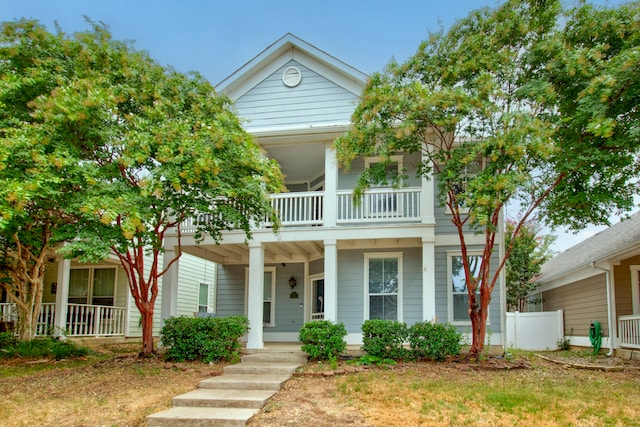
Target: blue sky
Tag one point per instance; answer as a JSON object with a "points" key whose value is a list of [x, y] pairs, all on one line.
{"points": [[217, 37]]}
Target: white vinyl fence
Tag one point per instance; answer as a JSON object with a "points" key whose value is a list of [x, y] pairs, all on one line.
{"points": [[535, 331]]}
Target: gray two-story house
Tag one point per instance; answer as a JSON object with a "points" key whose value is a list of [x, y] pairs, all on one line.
{"points": [[392, 256]]}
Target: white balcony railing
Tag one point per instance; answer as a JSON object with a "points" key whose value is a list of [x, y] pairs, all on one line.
{"points": [[306, 208], [82, 319], [298, 208], [629, 331], [380, 205]]}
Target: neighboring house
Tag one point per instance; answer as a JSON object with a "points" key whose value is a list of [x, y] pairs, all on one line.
{"points": [[597, 280], [93, 300], [394, 256]]}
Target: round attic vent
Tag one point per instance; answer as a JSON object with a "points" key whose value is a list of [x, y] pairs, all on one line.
{"points": [[291, 77]]}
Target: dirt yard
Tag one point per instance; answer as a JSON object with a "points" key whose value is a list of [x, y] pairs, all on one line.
{"points": [[115, 388]]}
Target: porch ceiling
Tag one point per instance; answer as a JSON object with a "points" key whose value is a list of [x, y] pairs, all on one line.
{"points": [[298, 251], [228, 254]]}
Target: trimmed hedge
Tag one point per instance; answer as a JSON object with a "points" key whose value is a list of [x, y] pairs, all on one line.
{"points": [[434, 341], [385, 339], [323, 339], [208, 339]]}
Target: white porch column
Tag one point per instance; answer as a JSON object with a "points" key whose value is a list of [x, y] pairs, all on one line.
{"points": [[169, 297], [255, 295], [330, 208], [427, 196], [62, 298], [331, 280], [428, 279]]}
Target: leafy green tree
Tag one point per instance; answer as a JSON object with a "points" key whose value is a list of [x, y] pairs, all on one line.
{"points": [[488, 105], [529, 250], [156, 147], [39, 173]]}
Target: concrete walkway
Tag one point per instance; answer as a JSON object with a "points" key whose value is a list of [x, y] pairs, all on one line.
{"points": [[237, 395]]}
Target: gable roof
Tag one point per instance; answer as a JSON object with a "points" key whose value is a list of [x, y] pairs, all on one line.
{"points": [[236, 84], [608, 245]]}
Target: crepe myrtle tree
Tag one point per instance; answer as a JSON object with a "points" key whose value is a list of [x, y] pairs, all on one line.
{"points": [[40, 173], [510, 105], [155, 147]]}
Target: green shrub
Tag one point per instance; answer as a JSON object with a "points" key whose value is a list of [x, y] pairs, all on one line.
{"points": [[44, 347], [208, 339], [7, 339], [385, 339], [434, 341], [323, 339]]}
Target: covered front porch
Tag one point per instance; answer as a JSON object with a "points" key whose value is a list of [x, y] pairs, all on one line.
{"points": [[82, 320]]}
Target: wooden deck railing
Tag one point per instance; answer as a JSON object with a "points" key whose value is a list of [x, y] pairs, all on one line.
{"points": [[629, 331]]}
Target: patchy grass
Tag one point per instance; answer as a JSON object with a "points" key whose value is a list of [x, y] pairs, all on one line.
{"points": [[445, 394], [112, 387], [108, 387]]}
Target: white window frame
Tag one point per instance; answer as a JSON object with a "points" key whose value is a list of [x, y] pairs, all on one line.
{"points": [[272, 312], [90, 285], [207, 306], [400, 294], [450, 293]]}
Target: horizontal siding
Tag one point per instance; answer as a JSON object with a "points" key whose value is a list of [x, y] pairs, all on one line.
{"points": [[623, 291], [230, 291], [315, 100], [230, 298], [412, 285], [348, 179], [289, 315], [582, 303], [351, 287], [191, 272], [351, 290]]}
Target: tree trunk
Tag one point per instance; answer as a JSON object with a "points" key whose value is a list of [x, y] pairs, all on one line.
{"points": [[147, 330]]}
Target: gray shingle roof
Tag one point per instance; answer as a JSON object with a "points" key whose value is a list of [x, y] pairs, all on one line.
{"points": [[616, 239]]}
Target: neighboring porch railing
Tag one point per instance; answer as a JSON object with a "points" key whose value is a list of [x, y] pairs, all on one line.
{"points": [[629, 331], [317, 316], [82, 319]]}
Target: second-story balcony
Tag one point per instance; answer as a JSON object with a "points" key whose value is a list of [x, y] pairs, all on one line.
{"points": [[300, 209]]}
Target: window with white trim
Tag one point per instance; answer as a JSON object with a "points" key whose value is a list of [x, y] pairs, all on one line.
{"points": [[93, 285], [458, 296], [203, 298], [383, 286], [269, 298]]}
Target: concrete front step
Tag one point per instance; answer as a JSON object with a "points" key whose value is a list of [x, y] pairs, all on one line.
{"points": [[224, 398], [246, 381], [262, 368], [190, 416], [284, 357]]}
